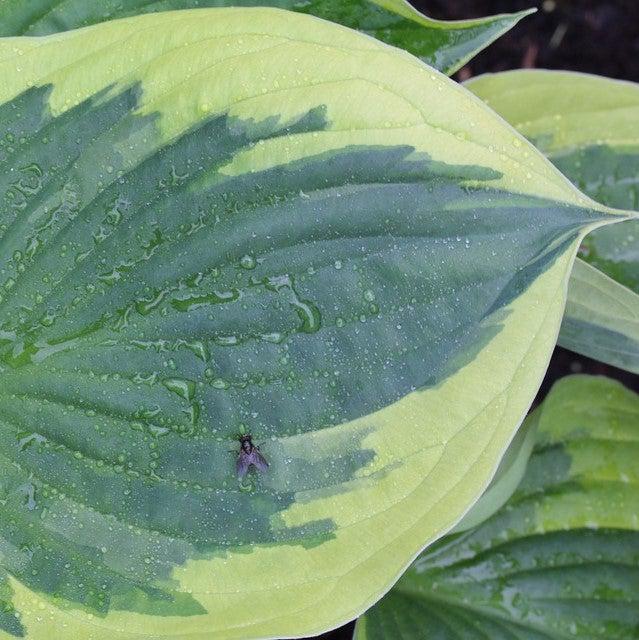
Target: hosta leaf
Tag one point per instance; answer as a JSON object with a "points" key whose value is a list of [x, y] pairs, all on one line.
{"points": [[602, 318], [561, 560], [507, 477], [588, 127], [444, 45], [299, 233]]}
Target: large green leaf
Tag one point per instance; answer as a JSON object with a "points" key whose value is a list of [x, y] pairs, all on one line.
{"points": [[561, 560], [444, 45], [588, 127], [301, 233]]}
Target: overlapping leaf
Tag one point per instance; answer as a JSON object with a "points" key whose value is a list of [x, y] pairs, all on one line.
{"points": [[507, 477], [444, 45], [299, 233], [561, 560], [601, 319], [588, 127]]}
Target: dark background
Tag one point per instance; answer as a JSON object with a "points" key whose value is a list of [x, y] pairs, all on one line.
{"points": [[592, 36]]}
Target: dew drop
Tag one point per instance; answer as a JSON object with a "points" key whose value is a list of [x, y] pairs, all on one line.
{"points": [[248, 262], [219, 383], [181, 387]]}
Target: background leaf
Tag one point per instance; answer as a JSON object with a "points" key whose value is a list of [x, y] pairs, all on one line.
{"points": [[587, 126], [601, 318], [561, 560], [445, 45], [303, 234]]}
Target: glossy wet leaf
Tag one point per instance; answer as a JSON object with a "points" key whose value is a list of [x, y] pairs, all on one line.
{"points": [[446, 45], [301, 234], [587, 126], [561, 559]]}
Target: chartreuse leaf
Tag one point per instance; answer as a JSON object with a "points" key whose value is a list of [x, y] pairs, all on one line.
{"points": [[561, 559], [507, 477], [588, 127], [302, 234], [446, 45]]}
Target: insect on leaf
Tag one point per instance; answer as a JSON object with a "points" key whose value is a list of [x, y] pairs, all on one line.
{"points": [[298, 233]]}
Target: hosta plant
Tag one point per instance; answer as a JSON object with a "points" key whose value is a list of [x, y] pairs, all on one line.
{"points": [[246, 221]]}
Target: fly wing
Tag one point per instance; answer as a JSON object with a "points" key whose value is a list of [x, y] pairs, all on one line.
{"points": [[242, 464], [257, 459]]}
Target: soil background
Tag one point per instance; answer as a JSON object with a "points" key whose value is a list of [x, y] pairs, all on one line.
{"points": [[591, 36]]}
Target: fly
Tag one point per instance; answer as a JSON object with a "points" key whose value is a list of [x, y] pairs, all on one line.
{"points": [[249, 455]]}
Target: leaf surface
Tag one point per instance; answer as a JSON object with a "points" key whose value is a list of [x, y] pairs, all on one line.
{"points": [[446, 45], [560, 560], [302, 234], [507, 478], [601, 318], [587, 126]]}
